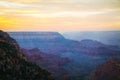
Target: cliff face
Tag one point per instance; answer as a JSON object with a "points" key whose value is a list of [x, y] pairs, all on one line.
{"points": [[13, 66], [37, 35], [51, 62], [46, 41], [5, 38], [110, 70]]}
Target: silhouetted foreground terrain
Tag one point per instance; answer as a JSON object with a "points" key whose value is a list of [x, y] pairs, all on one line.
{"points": [[13, 65]]}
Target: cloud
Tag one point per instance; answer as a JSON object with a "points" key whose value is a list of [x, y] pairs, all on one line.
{"points": [[52, 9], [13, 5], [69, 13], [53, 13], [1, 13]]}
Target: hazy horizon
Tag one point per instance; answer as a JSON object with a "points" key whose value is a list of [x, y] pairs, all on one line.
{"points": [[69, 31]]}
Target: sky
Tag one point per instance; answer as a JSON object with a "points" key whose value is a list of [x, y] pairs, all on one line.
{"points": [[59, 15]]}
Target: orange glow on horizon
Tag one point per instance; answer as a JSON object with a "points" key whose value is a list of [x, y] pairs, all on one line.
{"points": [[73, 15]]}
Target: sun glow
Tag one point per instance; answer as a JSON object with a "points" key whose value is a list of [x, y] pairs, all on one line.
{"points": [[59, 15]]}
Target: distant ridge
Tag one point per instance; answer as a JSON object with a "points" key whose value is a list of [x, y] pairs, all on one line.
{"points": [[106, 37], [54, 42], [42, 35]]}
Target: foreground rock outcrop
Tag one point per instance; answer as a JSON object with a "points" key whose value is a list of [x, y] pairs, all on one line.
{"points": [[13, 65]]}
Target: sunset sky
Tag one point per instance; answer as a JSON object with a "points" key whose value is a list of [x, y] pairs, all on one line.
{"points": [[59, 15]]}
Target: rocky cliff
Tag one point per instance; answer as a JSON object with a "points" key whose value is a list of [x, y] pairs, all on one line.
{"points": [[13, 65]]}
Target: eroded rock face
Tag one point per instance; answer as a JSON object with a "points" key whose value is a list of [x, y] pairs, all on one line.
{"points": [[13, 66], [110, 70], [51, 62]]}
